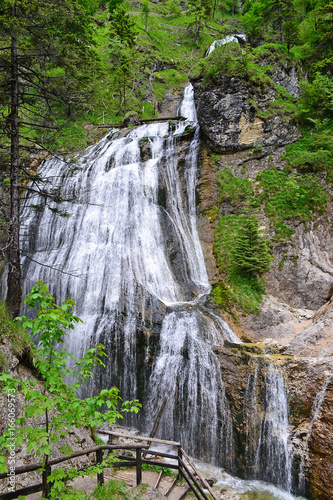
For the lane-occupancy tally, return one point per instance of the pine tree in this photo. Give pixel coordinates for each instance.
(251, 252)
(44, 60)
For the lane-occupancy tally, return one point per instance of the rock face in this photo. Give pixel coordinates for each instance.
(228, 116)
(296, 316)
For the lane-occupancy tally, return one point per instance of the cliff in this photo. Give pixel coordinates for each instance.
(244, 135)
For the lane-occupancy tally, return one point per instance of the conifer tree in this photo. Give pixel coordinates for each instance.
(251, 252)
(44, 60)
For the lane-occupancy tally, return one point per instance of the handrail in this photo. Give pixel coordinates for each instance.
(141, 451)
(200, 476)
(55, 461)
(139, 438)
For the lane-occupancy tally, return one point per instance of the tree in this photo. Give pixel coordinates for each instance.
(250, 253)
(145, 9)
(45, 48)
(57, 401)
(122, 26)
(200, 11)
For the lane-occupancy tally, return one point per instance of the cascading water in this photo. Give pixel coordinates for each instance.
(187, 375)
(129, 255)
(315, 413)
(267, 449)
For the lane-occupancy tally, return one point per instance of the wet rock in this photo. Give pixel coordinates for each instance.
(211, 481)
(131, 119)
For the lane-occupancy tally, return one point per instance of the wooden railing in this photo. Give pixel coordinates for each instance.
(141, 450)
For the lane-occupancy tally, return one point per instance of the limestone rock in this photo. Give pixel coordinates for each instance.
(228, 115)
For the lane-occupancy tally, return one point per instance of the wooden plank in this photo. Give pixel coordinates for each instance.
(158, 419)
(159, 464)
(159, 479)
(200, 476)
(138, 467)
(160, 454)
(184, 495)
(152, 120)
(172, 485)
(99, 460)
(23, 491)
(32, 467)
(140, 438)
(193, 479)
(190, 485)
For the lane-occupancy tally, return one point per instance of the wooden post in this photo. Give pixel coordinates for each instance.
(99, 460)
(46, 488)
(110, 440)
(179, 458)
(138, 467)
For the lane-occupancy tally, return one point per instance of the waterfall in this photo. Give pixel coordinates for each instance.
(277, 461)
(315, 413)
(187, 375)
(129, 254)
(267, 446)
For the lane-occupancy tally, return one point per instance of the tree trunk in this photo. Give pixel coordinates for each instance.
(14, 292)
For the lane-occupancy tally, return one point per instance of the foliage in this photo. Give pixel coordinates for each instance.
(242, 255)
(118, 490)
(19, 339)
(290, 197)
(156, 468)
(56, 400)
(234, 189)
(250, 252)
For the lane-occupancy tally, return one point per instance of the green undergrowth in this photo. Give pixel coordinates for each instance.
(117, 490)
(239, 290)
(284, 197)
(314, 151)
(156, 468)
(288, 197)
(255, 67)
(161, 60)
(19, 339)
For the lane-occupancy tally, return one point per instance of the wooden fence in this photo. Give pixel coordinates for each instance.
(197, 486)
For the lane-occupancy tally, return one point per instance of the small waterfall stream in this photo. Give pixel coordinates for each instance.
(267, 427)
(315, 414)
(129, 255)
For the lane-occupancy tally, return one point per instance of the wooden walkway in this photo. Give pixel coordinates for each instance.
(179, 462)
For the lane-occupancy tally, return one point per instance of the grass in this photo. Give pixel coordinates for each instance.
(167, 45)
(290, 197)
(19, 339)
(113, 489)
(156, 468)
(234, 189)
(314, 151)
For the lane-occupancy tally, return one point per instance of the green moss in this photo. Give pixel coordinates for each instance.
(281, 263)
(19, 339)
